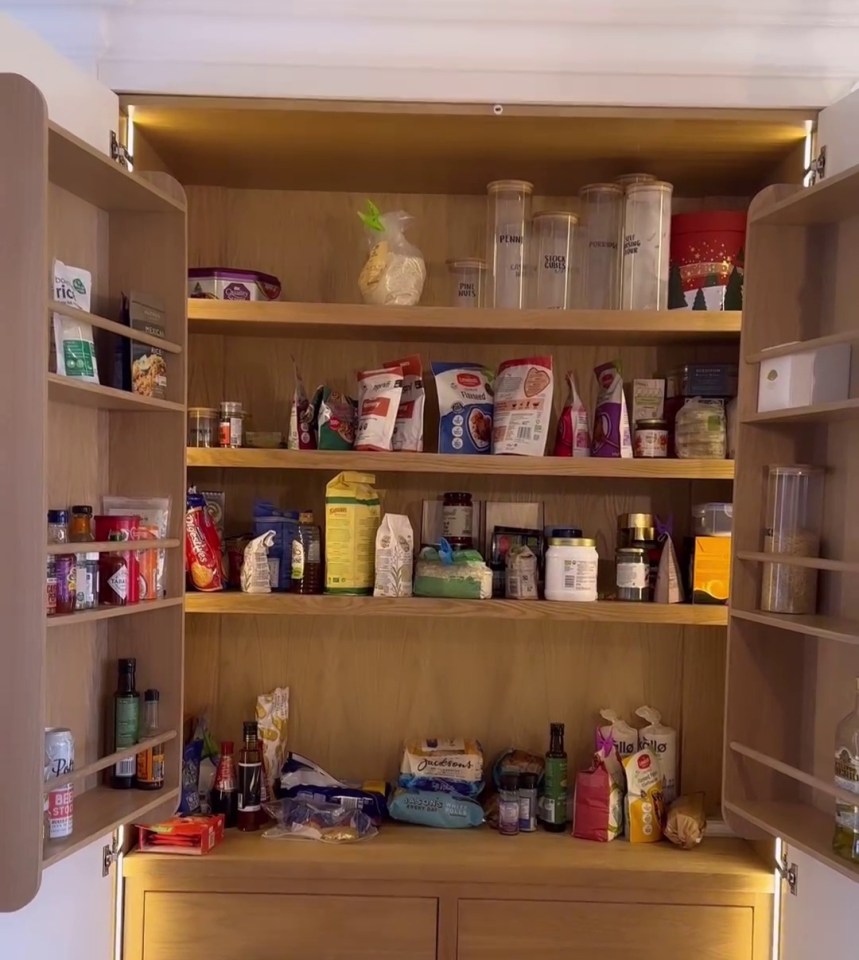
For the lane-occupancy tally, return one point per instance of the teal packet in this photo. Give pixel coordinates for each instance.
(430, 809)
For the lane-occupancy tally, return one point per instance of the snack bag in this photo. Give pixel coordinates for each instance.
(272, 719)
(523, 406)
(432, 809)
(379, 393)
(520, 582)
(574, 436)
(645, 808)
(465, 403)
(256, 577)
(395, 545)
(395, 271)
(352, 516)
(449, 766)
(686, 821)
(624, 736)
(409, 425)
(73, 339)
(335, 420)
(302, 418)
(202, 545)
(611, 422)
(662, 742)
(598, 796)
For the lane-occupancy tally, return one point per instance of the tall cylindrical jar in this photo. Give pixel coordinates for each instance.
(467, 282)
(792, 525)
(552, 272)
(508, 214)
(646, 245)
(627, 179)
(601, 219)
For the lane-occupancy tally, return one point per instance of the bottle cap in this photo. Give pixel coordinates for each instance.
(250, 730)
(83, 508)
(58, 516)
(510, 780)
(127, 664)
(528, 781)
(227, 747)
(151, 696)
(305, 516)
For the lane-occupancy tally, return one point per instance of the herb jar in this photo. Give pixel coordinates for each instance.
(231, 429)
(632, 573)
(202, 427)
(571, 569)
(457, 520)
(650, 439)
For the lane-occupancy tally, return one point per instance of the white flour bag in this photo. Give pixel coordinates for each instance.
(662, 741)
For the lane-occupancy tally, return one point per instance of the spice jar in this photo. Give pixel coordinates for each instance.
(466, 282)
(58, 526)
(118, 573)
(202, 427)
(508, 804)
(457, 519)
(80, 527)
(651, 438)
(632, 573)
(231, 424)
(571, 569)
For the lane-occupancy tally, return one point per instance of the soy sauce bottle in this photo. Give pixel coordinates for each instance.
(250, 779)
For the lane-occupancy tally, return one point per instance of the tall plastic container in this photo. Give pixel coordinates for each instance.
(552, 271)
(507, 222)
(627, 179)
(646, 245)
(601, 219)
(793, 521)
(467, 282)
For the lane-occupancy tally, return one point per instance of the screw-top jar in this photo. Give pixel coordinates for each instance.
(632, 573)
(635, 527)
(650, 440)
(231, 424)
(202, 427)
(553, 283)
(601, 214)
(626, 180)
(508, 214)
(467, 280)
(571, 569)
(457, 520)
(80, 527)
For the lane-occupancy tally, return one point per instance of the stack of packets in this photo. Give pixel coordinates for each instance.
(439, 783)
(192, 836)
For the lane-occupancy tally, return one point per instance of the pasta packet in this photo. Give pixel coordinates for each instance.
(256, 576)
(379, 393)
(611, 422)
(574, 436)
(409, 424)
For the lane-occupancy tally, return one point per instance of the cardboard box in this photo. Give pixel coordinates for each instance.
(143, 368)
(711, 570)
(801, 379)
(647, 400)
(190, 836)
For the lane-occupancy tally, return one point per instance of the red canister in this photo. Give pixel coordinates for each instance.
(118, 573)
(707, 252)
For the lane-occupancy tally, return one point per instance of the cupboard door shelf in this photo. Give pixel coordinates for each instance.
(68, 390)
(81, 773)
(794, 773)
(790, 560)
(111, 546)
(812, 625)
(110, 613)
(120, 329)
(829, 412)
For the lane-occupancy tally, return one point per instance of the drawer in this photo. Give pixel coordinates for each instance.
(226, 926)
(512, 929)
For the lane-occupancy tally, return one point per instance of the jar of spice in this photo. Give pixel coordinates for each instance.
(202, 427)
(80, 527)
(231, 424)
(632, 573)
(457, 519)
(651, 439)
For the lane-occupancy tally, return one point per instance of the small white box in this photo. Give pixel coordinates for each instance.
(805, 378)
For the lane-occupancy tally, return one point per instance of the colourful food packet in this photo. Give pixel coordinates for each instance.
(409, 424)
(379, 393)
(523, 406)
(202, 545)
(573, 438)
(611, 422)
(302, 420)
(465, 403)
(335, 420)
(645, 807)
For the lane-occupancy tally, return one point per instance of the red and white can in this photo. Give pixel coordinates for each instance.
(59, 763)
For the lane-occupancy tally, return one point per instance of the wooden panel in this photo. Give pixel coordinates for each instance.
(185, 926)
(505, 930)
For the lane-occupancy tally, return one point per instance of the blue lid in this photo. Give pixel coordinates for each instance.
(566, 533)
(58, 516)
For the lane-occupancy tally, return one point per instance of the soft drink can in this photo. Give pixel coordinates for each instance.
(59, 763)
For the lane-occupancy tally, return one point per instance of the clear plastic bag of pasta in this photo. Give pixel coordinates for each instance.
(317, 820)
(394, 273)
(700, 430)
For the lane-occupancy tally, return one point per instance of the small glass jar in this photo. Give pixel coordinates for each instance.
(507, 224)
(58, 526)
(457, 520)
(632, 573)
(508, 805)
(231, 433)
(467, 278)
(80, 527)
(572, 564)
(552, 270)
(651, 439)
(202, 427)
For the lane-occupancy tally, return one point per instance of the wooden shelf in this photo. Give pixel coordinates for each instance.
(79, 168)
(114, 546)
(603, 611)
(840, 410)
(812, 625)
(350, 321)
(801, 825)
(789, 560)
(120, 329)
(109, 613)
(100, 811)
(798, 346)
(448, 463)
(833, 200)
(81, 773)
(68, 390)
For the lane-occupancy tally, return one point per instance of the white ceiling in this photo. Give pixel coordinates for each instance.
(745, 53)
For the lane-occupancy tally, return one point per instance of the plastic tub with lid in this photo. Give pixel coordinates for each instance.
(713, 519)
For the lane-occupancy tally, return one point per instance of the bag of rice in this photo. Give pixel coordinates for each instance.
(523, 406)
(73, 340)
(465, 401)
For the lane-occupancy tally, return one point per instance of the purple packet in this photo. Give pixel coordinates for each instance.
(611, 422)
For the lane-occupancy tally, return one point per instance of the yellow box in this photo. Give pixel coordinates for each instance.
(711, 570)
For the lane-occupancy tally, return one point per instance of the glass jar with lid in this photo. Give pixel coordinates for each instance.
(572, 564)
(632, 573)
(80, 526)
(467, 279)
(202, 427)
(58, 526)
(552, 272)
(231, 433)
(601, 218)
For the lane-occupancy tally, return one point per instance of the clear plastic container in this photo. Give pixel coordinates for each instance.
(553, 275)
(627, 179)
(792, 525)
(601, 219)
(713, 519)
(507, 222)
(467, 281)
(646, 245)
(202, 427)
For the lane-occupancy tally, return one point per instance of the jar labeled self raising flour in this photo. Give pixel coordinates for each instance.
(571, 569)
(646, 232)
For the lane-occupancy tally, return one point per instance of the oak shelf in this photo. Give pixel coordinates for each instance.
(832, 200)
(120, 329)
(790, 560)
(829, 412)
(68, 390)
(812, 625)
(352, 321)
(798, 346)
(109, 613)
(81, 773)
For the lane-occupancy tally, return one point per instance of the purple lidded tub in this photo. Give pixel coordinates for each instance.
(223, 283)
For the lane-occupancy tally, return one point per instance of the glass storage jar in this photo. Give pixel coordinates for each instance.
(508, 215)
(646, 246)
(632, 573)
(202, 427)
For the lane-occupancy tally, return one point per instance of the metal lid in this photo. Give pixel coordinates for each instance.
(556, 215)
(467, 263)
(565, 532)
(152, 696)
(509, 780)
(202, 412)
(231, 406)
(83, 508)
(571, 542)
(657, 423)
(637, 551)
(520, 186)
(627, 521)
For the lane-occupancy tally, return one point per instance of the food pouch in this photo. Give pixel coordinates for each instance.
(395, 545)
(302, 418)
(202, 545)
(465, 403)
(624, 736)
(352, 516)
(686, 821)
(458, 575)
(431, 809)
(700, 429)
(611, 421)
(335, 420)
(311, 820)
(256, 577)
(645, 807)
(669, 586)
(521, 575)
(73, 339)
(598, 796)
(154, 516)
(272, 720)
(662, 742)
(523, 406)
(573, 438)
(303, 779)
(450, 766)
(395, 271)
(379, 393)
(409, 425)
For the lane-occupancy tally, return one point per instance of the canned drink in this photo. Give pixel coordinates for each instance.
(59, 763)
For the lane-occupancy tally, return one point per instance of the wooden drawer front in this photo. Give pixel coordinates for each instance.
(512, 929)
(229, 926)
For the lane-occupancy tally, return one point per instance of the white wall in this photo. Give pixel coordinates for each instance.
(820, 922)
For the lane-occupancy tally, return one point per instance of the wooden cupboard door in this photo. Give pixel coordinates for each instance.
(226, 926)
(511, 930)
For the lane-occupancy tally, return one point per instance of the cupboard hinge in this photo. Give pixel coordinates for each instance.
(816, 170)
(119, 153)
(109, 856)
(789, 872)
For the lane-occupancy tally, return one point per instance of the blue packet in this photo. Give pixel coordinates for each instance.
(189, 796)
(284, 523)
(431, 809)
(460, 788)
(465, 402)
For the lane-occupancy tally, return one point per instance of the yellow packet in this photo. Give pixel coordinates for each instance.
(352, 517)
(645, 807)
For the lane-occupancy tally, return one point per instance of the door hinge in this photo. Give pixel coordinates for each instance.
(109, 856)
(119, 153)
(789, 872)
(816, 170)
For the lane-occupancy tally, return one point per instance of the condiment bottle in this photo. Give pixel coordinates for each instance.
(457, 520)
(231, 424)
(306, 556)
(126, 720)
(150, 762)
(225, 796)
(80, 527)
(527, 802)
(508, 805)
(58, 526)
(553, 813)
(250, 779)
(65, 567)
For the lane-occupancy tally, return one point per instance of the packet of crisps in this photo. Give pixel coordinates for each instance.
(202, 545)
(645, 807)
(272, 718)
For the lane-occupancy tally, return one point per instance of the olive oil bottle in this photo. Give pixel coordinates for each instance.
(846, 842)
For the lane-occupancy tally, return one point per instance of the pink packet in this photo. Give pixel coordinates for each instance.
(574, 436)
(611, 421)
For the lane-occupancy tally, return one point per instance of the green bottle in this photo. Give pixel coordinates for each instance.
(126, 721)
(553, 805)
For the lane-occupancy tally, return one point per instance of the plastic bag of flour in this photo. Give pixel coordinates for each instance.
(395, 544)
(395, 271)
(73, 339)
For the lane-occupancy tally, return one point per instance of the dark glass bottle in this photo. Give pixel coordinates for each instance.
(126, 722)
(225, 794)
(306, 556)
(249, 805)
(553, 808)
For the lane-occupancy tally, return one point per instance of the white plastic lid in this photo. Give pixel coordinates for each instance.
(700, 509)
(514, 186)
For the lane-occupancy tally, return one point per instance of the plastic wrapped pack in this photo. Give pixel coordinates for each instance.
(700, 430)
(395, 271)
(432, 809)
(445, 766)
(459, 575)
(308, 820)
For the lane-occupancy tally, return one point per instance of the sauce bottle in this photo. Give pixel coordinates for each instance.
(126, 718)
(150, 762)
(225, 796)
(249, 804)
(553, 811)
